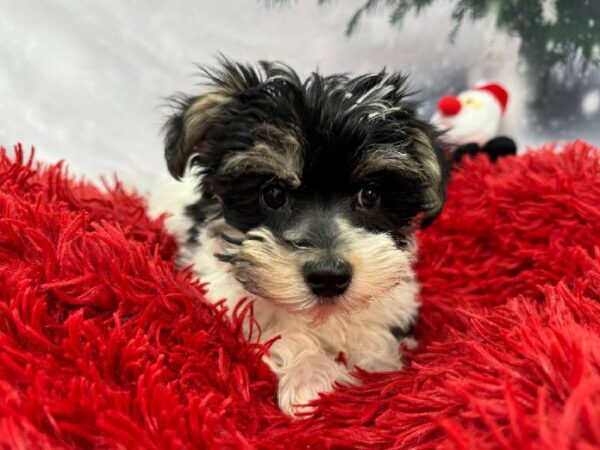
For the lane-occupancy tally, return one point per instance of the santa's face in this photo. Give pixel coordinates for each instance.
(473, 116)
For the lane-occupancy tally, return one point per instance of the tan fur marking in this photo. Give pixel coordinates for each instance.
(426, 154)
(272, 270)
(387, 158)
(432, 171)
(197, 115)
(276, 151)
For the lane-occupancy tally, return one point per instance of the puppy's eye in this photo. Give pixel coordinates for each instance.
(274, 197)
(368, 198)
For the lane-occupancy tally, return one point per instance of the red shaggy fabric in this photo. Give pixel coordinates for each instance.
(104, 345)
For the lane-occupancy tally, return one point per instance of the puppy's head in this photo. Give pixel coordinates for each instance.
(320, 182)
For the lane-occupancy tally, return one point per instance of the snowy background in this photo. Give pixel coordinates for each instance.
(85, 81)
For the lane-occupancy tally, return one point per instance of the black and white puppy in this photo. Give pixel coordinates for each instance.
(303, 195)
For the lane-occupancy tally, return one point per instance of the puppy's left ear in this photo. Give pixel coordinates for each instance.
(434, 169)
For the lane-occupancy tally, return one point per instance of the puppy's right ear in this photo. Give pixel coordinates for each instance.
(186, 130)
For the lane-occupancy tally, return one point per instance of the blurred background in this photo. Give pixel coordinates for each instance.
(86, 81)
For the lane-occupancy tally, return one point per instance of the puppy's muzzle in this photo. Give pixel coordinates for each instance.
(328, 277)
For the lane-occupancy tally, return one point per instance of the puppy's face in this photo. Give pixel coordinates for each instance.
(317, 183)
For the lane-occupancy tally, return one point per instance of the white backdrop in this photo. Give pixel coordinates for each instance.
(86, 80)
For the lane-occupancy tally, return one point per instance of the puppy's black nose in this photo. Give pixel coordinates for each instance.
(328, 277)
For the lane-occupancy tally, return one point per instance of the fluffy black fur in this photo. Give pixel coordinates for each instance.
(339, 124)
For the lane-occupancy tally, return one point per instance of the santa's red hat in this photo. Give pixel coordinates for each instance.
(498, 92)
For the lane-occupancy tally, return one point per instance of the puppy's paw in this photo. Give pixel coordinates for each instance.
(301, 385)
(381, 353)
(389, 362)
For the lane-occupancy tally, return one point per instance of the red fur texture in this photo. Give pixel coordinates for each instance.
(104, 345)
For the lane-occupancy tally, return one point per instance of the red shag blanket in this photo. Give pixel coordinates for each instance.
(104, 345)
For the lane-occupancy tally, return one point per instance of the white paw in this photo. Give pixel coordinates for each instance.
(383, 354)
(371, 364)
(302, 384)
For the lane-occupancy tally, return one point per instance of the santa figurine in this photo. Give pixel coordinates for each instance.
(472, 122)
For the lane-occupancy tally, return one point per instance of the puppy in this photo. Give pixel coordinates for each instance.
(303, 196)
